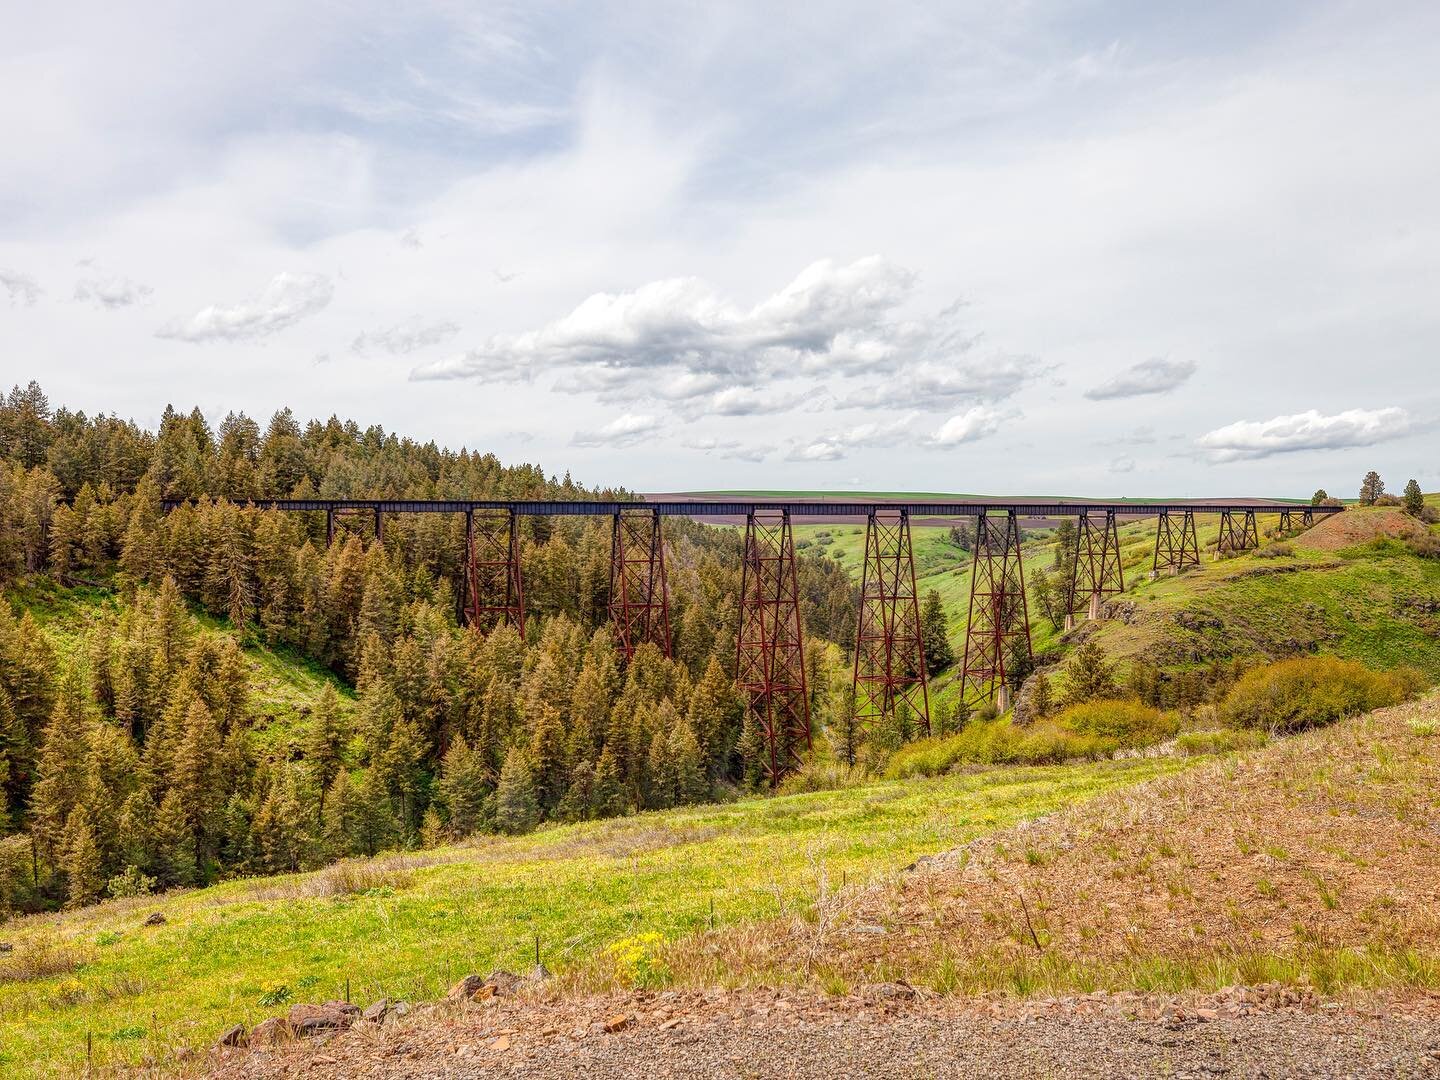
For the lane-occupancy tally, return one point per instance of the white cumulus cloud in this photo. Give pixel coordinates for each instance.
(288, 299)
(21, 288)
(1311, 430)
(112, 291)
(974, 423)
(625, 430)
(1153, 376)
(405, 338)
(830, 314)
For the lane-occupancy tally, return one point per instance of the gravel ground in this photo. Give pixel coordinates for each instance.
(760, 1035)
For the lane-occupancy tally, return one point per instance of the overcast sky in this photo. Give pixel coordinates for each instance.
(1026, 248)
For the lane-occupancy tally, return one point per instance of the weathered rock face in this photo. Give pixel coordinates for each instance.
(306, 1021)
(465, 989)
(376, 1012)
(234, 1037)
(269, 1032)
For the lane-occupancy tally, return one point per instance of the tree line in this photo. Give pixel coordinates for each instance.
(146, 752)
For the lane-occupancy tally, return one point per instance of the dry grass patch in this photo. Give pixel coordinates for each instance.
(1315, 860)
(41, 958)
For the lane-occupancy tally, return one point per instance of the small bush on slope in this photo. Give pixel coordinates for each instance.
(1093, 730)
(1309, 692)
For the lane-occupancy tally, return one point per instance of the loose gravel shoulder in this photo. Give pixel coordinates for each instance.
(885, 1032)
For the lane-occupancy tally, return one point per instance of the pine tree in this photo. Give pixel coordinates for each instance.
(935, 635)
(325, 740)
(1089, 675)
(174, 859)
(61, 768)
(516, 808)
(1414, 499)
(80, 861)
(462, 789)
(1371, 488)
(845, 731)
(1042, 703)
(608, 793)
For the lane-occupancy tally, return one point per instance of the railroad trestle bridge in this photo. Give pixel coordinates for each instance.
(889, 664)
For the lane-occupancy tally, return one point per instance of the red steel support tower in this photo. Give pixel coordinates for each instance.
(1240, 537)
(889, 653)
(999, 615)
(1176, 549)
(639, 606)
(493, 585)
(1096, 571)
(770, 653)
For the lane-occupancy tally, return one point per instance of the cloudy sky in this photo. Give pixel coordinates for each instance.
(1070, 248)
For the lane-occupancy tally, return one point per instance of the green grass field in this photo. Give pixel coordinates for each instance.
(407, 926)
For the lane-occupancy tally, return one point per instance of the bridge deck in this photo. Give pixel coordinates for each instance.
(798, 508)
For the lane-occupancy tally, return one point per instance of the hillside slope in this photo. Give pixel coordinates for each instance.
(404, 926)
(1272, 914)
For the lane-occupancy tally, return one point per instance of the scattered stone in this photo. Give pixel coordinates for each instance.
(234, 1037)
(539, 974)
(156, 919)
(466, 987)
(269, 1032)
(306, 1021)
(377, 1012)
(5, 947)
(400, 1008)
(502, 1043)
(504, 982)
(618, 1022)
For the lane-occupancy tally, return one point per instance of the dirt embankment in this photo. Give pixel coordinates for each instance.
(1359, 526)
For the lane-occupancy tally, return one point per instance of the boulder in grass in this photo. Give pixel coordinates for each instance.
(269, 1032)
(156, 919)
(307, 1021)
(376, 1012)
(234, 1037)
(465, 989)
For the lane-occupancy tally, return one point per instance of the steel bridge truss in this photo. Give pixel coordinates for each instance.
(494, 588)
(639, 602)
(1241, 537)
(889, 650)
(1095, 567)
(999, 616)
(1287, 519)
(1176, 548)
(770, 657)
(770, 653)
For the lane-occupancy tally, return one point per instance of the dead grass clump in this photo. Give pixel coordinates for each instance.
(41, 958)
(348, 878)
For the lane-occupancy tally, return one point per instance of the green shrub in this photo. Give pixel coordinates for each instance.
(1129, 723)
(998, 742)
(1196, 743)
(1309, 692)
(1274, 551)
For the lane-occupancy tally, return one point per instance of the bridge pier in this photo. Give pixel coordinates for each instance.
(770, 650)
(494, 588)
(1240, 537)
(1174, 552)
(889, 651)
(1096, 565)
(998, 611)
(639, 601)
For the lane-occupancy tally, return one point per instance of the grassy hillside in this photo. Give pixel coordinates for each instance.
(1312, 862)
(406, 925)
(1346, 587)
